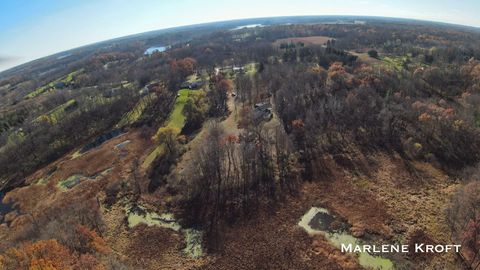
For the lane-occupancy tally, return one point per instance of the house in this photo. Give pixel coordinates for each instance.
(112, 92)
(235, 69)
(196, 85)
(192, 85)
(60, 85)
(144, 91)
(238, 69)
(262, 112)
(149, 88)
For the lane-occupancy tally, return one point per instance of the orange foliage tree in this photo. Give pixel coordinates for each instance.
(184, 66)
(51, 255)
(44, 254)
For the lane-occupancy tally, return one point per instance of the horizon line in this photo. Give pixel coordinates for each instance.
(200, 24)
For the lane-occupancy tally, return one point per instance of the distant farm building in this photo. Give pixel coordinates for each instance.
(238, 69)
(226, 69)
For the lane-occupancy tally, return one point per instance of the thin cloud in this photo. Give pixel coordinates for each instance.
(7, 59)
(7, 62)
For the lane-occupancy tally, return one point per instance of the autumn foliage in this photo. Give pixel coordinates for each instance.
(184, 66)
(44, 254)
(51, 255)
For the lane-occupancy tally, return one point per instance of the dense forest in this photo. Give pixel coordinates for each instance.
(207, 153)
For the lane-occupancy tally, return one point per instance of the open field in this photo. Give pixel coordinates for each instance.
(66, 80)
(364, 57)
(176, 120)
(53, 115)
(313, 40)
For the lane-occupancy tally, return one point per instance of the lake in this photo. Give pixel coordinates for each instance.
(152, 50)
(248, 26)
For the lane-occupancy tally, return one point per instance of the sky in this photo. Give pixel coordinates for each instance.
(30, 29)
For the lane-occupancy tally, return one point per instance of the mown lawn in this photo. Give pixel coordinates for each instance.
(175, 120)
(251, 69)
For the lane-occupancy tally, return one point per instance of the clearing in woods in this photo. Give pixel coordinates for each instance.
(313, 40)
(176, 120)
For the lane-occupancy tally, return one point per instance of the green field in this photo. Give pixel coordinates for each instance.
(397, 63)
(251, 69)
(401, 62)
(56, 113)
(40, 90)
(175, 120)
(68, 79)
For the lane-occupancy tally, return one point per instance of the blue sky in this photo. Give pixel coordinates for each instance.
(30, 29)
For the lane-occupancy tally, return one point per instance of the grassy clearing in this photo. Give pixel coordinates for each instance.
(401, 62)
(70, 182)
(313, 40)
(192, 78)
(396, 62)
(15, 136)
(40, 90)
(42, 181)
(68, 79)
(75, 179)
(175, 120)
(364, 57)
(76, 155)
(251, 69)
(55, 114)
(135, 114)
(151, 157)
(242, 36)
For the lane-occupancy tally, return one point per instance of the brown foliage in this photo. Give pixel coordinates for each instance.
(52, 255)
(463, 216)
(184, 66)
(44, 254)
(224, 85)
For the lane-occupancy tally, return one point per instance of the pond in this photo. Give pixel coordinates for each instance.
(137, 214)
(75, 179)
(155, 49)
(248, 26)
(319, 221)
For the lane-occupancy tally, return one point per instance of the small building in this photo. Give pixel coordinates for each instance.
(196, 85)
(239, 69)
(150, 88)
(144, 91)
(60, 85)
(192, 85)
(262, 112)
(226, 69)
(112, 92)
